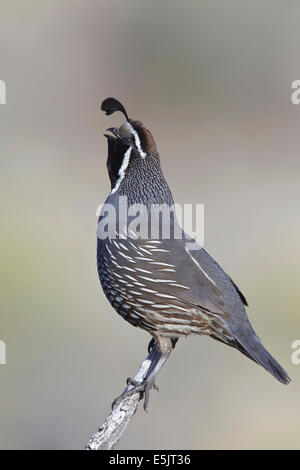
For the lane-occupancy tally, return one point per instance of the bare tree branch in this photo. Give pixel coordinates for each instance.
(112, 429)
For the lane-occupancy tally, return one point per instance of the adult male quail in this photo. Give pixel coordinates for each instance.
(159, 283)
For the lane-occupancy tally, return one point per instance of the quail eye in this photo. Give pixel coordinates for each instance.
(125, 133)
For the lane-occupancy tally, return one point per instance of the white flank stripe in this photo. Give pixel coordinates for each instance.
(160, 250)
(201, 269)
(123, 246)
(146, 251)
(144, 289)
(129, 269)
(124, 256)
(167, 270)
(163, 264)
(162, 306)
(165, 296)
(179, 285)
(144, 271)
(135, 292)
(108, 250)
(130, 277)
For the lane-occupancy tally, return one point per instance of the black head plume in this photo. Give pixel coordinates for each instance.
(111, 105)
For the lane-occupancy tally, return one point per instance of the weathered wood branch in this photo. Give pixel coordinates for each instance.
(112, 429)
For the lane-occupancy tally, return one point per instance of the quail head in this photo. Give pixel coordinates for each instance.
(156, 282)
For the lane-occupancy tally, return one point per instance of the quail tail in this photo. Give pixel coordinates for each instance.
(254, 349)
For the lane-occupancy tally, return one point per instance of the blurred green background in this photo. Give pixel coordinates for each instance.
(212, 81)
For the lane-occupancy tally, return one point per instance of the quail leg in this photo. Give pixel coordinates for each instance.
(157, 360)
(151, 345)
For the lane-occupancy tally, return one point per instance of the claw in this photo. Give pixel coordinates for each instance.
(138, 387)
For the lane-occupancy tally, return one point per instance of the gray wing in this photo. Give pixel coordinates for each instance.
(234, 301)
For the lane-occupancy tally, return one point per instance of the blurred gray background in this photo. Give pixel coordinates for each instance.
(212, 81)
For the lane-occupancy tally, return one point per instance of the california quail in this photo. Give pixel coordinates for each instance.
(158, 283)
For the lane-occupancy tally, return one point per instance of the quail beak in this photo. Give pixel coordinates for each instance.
(116, 135)
(114, 131)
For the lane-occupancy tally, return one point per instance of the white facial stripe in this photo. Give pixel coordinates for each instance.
(136, 138)
(122, 169)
